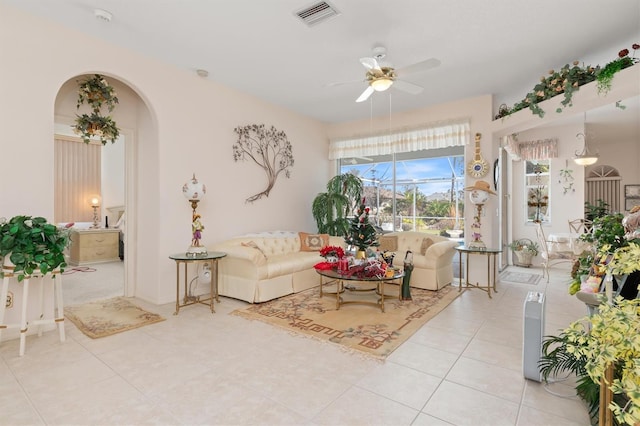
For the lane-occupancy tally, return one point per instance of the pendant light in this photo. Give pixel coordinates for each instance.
(584, 157)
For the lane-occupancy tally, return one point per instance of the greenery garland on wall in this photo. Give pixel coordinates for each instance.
(568, 80)
(96, 93)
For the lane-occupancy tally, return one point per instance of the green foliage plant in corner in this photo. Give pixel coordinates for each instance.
(33, 245)
(331, 209)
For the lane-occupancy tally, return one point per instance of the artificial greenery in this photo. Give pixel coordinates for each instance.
(525, 245)
(96, 93)
(331, 209)
(95, 125)
(593, 211)
(611, 339)
(33, 245)
(567, 81)
(556, 360)
(362, 234)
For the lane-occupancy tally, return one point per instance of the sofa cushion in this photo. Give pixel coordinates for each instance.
(313, 242)
(388, 243)
(426, 243)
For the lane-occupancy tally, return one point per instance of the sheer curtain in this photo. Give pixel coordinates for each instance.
(76, 178)
(429, 136)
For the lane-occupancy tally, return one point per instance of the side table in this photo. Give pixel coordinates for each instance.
(183, 258)
(491, 272)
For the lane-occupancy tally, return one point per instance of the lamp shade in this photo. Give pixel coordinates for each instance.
(585, 160)
(94, 200)
(381, 84)
(194, 189)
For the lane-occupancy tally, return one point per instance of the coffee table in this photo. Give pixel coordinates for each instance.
(358, 284)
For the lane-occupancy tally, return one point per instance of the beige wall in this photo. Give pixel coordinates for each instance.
(181, 124)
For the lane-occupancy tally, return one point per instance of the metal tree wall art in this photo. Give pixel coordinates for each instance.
(268, 148)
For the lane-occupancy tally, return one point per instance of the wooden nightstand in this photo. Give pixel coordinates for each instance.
(94, 246)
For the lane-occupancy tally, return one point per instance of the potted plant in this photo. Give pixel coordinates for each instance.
(332, 253)
(96, 93)
(525, 250)
(330, 209)
(31, 245)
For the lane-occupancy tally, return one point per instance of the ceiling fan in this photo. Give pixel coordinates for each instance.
(381, 77)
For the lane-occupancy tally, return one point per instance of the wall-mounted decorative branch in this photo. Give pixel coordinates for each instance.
(268, 148)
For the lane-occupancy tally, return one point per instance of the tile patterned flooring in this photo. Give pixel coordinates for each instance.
(462, 368)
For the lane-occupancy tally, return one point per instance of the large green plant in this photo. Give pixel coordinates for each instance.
(331, 209)
(33, 245)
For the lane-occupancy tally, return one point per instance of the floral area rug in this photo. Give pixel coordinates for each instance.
(356, 327)
(107, 317)
(520, 278)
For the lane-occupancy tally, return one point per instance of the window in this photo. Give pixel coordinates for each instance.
(420, 190)
(536, 186)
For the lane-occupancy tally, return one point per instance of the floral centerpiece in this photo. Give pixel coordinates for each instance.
(96, 93)
(332, 252)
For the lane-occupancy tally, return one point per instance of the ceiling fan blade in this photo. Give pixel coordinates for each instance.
(405, 86)
(370, 64)
(340, 83)
(365, 95)
(419, 67)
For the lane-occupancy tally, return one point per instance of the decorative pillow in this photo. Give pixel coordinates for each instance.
(313, 242)
(388, 243)
(426, 243)
(253, 245)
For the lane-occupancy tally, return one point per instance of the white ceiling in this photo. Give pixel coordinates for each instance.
(499, 47)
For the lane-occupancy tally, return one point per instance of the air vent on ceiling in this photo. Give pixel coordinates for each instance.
(317, 13)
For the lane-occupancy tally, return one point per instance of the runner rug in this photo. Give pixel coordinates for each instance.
(106, 317)
(356, 327)
(520, 278)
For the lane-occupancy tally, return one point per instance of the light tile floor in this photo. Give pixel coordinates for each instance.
(462, 368)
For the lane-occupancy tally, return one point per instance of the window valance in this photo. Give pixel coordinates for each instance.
(542, 149)
(441, 135)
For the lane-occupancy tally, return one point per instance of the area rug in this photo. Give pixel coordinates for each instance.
(510, 277)
(107, 317)
(356, 327)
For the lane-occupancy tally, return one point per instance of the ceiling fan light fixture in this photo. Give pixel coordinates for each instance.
(381, 84)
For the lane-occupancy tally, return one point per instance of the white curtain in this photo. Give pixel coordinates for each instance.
(76, 178)
(432, 136)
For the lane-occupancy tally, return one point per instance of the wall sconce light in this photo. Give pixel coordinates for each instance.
(94, 201)
(194, 191)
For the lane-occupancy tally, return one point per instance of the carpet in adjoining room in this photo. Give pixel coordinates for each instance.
(356, 327)
(511, 277)
(106, 317)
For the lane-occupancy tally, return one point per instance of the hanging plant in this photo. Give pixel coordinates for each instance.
(95, 125)
(96, 93)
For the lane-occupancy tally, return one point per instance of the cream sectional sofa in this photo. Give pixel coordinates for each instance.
(432, 257)
(267, 265)
(264, 266)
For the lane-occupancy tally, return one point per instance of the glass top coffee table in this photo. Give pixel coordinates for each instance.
(356, 284)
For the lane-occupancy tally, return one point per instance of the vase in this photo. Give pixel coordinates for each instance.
(361, 254)
(331, 259)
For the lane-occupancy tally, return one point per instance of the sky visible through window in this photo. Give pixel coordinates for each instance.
(437, 171)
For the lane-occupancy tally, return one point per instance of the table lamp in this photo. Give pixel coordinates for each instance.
(479, 195)
(194, 191)
(95, 205)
